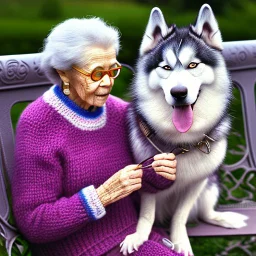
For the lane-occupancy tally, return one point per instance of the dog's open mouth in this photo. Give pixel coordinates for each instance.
(182, 116)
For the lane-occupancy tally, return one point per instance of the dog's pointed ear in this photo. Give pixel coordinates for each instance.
(207, 27)
(156, 29)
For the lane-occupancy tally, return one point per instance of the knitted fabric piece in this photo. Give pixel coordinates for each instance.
(154, 246)
(60, 150)
(153, 182)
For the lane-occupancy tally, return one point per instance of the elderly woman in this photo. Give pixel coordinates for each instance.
(73, 167)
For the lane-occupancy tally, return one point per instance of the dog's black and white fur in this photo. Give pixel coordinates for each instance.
(182, 90)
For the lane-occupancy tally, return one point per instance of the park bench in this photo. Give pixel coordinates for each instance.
(22, 80)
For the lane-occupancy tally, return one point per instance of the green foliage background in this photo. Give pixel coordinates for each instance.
(25, 23)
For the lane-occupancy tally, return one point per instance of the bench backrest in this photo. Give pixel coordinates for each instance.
(22, 80)
(241, 61)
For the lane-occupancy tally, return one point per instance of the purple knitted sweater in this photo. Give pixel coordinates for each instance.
(63, 153)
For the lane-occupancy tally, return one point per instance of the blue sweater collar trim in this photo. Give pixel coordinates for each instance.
(73, 106)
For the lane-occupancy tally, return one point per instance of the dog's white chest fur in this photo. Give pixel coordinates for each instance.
(192, 167)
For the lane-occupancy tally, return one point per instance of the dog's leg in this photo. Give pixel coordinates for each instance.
(207, 213)
(144, 226)
(178, 229)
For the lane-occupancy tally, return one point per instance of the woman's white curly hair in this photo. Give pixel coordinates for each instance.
(68, 42)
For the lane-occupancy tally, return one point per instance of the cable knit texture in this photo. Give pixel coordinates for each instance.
(62, 154)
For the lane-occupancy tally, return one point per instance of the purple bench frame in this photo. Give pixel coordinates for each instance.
(22, 80)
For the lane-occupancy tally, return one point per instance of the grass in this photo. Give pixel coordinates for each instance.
(23, 31)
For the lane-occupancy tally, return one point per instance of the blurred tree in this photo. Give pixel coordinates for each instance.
(172, 4)
(50, 9)
(218, 6)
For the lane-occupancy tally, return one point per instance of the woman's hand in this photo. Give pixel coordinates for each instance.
(165, 165)
(120, 185)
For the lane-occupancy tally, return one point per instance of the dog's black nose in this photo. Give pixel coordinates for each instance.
(179, 92)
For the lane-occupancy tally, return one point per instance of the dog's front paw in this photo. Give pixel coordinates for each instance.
(178, 247)
(181, 244)
(229, 220)
(132, 242)
(184, 248)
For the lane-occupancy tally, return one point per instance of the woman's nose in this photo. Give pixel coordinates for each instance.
(106, 80)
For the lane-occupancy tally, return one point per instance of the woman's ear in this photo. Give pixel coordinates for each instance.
(63, 75)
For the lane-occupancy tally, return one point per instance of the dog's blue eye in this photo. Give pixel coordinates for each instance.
(192, 65)
(166, 67)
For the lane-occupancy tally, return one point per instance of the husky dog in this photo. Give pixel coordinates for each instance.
(181, 92)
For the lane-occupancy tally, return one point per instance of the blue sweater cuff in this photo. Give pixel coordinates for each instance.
(92, 203)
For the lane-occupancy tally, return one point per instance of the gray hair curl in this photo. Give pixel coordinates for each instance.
(68, 42)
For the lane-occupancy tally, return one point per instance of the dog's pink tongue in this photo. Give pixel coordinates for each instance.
(182, 118)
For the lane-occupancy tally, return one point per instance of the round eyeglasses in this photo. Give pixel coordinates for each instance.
(97, 74)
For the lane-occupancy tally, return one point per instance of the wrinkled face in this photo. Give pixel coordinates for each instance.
(85, 91)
